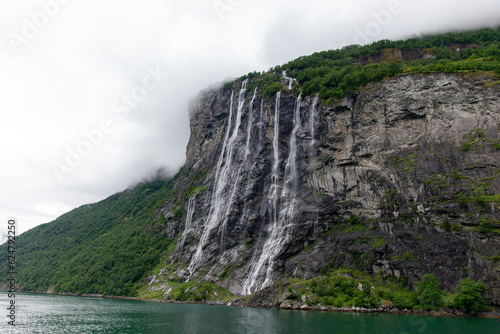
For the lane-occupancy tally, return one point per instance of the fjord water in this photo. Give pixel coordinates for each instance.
(38, 313)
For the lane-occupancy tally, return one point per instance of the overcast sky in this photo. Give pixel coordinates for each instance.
(94, 94)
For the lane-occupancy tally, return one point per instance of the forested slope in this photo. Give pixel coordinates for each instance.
(100, 248)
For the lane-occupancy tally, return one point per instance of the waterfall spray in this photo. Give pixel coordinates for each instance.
(220, 203)
(249, 285)
(281, 208)
(189, 223)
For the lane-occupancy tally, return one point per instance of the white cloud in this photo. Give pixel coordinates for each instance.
(65, 79)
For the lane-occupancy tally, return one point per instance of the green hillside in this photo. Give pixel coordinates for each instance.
(100, 248)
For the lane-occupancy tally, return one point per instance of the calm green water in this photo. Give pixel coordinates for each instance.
(36, 313)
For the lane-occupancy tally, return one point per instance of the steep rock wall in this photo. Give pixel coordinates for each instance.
(291, 186)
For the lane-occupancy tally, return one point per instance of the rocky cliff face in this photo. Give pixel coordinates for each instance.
(400, 179)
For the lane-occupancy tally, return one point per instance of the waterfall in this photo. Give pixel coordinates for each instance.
(311, 121)
(229, 206)
(189, 223)
(282, 231)
(249, 182)
(291, 164)
(255, 268)
(314, 182)
(224, 173)
(281, 220)
(273, 195)
(261, 124)
(235, 183)
(290, 80)
(249, 124)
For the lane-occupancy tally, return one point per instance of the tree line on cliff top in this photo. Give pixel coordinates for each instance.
(334, 74)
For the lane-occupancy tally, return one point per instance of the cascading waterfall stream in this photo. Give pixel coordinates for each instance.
(224, 172)
(255, 267)
(311, 121)
(241, 104)
(249, 124)
(273, 198)
(313, 180)
(261, 125)
(281, 234)
(189, 223)
(291, 165)
(228, 211)
(281, 222)
(249, 165)
(290, 80)
(312, 153)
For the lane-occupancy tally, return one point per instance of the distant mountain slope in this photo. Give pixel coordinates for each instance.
(98, 248)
